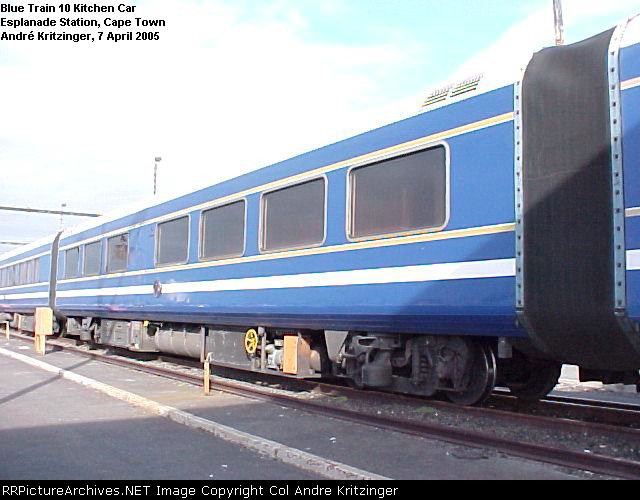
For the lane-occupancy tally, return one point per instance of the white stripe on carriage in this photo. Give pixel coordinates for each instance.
(349, 247)
(413, 274)
(25, 296)
(633, 260)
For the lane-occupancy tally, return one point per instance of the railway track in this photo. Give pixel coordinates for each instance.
(557, 455)
(575, 408)
(592, 403)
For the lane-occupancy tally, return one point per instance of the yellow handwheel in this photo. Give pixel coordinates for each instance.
(251, 342)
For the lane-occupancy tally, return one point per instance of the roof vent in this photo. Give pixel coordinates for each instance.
(467, 86)
(452, 91)
(437, 97)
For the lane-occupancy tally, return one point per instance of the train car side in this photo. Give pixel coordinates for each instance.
(480, 242)
(454, 277)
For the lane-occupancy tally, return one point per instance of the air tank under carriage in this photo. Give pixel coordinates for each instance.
(485, 241)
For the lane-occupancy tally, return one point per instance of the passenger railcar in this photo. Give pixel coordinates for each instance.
(487, 240)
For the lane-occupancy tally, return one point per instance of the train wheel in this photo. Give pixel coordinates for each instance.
(482, 376)
(540, 380)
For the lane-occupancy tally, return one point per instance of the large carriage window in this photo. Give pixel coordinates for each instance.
(36, 270)
(30, 273)
(293, 217)
(92, 258)
(173, 242)
(223, 232)
(117, 253)
(72, 263)
(23, 274)
(400, 195)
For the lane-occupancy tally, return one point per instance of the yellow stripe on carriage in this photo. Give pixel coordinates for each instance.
(630, 84)
(364, 245)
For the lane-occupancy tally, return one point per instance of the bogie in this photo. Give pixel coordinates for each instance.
(463, 369)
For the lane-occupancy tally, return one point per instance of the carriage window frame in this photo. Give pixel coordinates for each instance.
(350, 199)
(157, 243)
(262, 230)
(100, 246)
(66, 274)
(201, 232)
(108, 263)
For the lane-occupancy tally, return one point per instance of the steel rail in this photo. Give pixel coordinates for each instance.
(558, 456)
(572, 400)
(612, 413)
(592, 403)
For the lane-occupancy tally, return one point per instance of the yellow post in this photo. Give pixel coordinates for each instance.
(207, 375)
(44, 327)
(40, 344)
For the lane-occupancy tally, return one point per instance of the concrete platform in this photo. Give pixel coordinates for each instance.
(51, 428)
(55, 429)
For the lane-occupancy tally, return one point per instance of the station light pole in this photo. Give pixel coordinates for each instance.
(63, 206)
(155, 175)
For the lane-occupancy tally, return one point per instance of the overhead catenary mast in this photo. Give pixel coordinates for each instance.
(559, 23)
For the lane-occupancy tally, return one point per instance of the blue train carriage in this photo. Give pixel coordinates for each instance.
(480, 242)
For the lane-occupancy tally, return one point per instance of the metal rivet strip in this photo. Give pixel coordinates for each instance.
(617, 172)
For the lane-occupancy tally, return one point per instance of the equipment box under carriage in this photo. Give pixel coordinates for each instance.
(128, 335)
